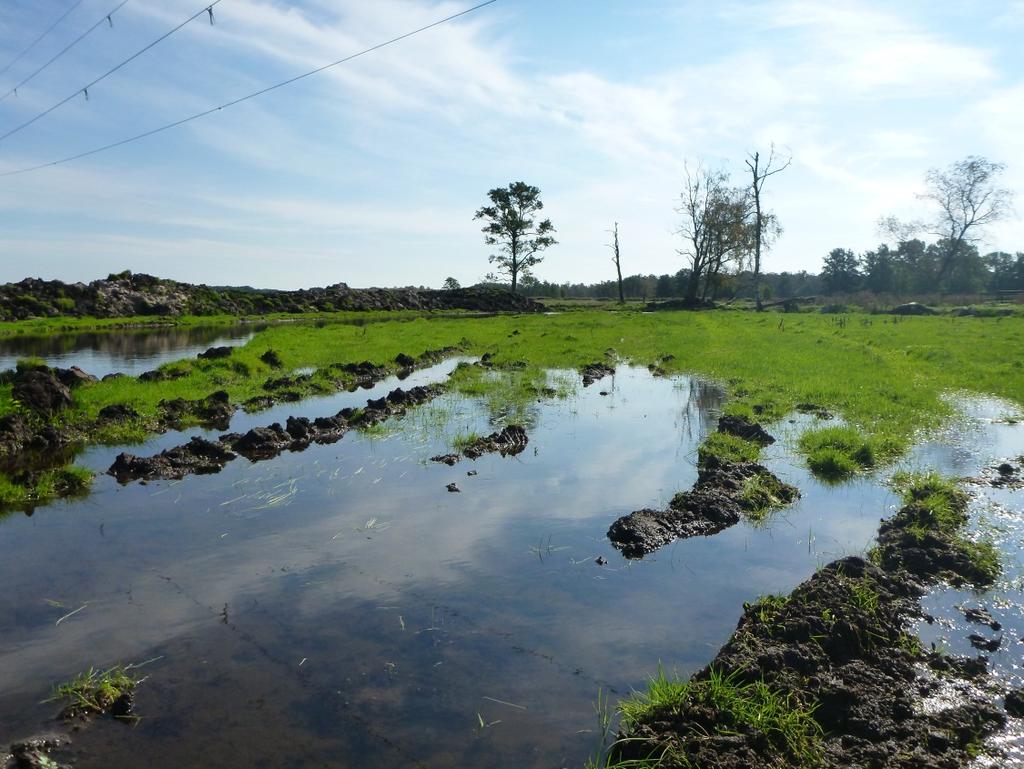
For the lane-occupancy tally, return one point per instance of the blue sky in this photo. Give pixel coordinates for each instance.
(370, 173)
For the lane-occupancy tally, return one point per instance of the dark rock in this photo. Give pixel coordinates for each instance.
(471, 472)
(601, 560)
(216, 353)
(40, 391)
(113, 375)
(405, 361)
(742, 427)
(453, 487)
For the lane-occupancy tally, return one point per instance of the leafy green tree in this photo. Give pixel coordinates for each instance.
(450, 284)
(510, 224)
(841, 271)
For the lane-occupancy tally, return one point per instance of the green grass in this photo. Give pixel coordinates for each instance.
(738, 706)
(760, 495)
(69, 481)
(728, 448)
(985, 556)
(767, 607)
(837, 452)
(463, 441)
(94, 691)
(936, 505)
(889, 379)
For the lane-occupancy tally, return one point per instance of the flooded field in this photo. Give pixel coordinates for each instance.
(125, 351)
(339, 606)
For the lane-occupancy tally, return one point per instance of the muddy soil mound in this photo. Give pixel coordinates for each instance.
(844, 681)
(724, 492)
(743, 428)
(510, 441)
(215, 410)
(126, 294)
(594, 371)
(910, 541)
(200, 456)
(40, 390)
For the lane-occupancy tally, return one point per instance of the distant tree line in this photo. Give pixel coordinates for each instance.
(916, 267)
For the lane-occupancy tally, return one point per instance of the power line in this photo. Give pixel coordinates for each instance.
(252, 95)
(33, 44)
(85, 89)
(108, 17)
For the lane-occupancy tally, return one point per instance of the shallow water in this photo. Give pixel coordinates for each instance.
(339, 607)
(126, 351)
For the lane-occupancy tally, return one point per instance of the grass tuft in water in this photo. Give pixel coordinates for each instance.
(68, 481)
(94, 691)
(727, 448)
(836, 453)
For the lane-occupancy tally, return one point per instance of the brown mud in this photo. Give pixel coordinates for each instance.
(836, 651)
(511, 440)
(719, 499)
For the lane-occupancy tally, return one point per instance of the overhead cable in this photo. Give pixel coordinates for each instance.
(35, 42)
(84, 90)
(252, 95)
(107, 17)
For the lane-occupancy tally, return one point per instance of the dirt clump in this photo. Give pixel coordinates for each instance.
(73, 377)
(724, 493)
(199, 456)
(38, 389)
(741, 427)
(117, 412)
(509, 441)
(215, 410)
(594, 371)
(216, 353)
(826, 676)
(272, 358)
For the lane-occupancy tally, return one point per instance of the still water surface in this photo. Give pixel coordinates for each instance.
(338, 607)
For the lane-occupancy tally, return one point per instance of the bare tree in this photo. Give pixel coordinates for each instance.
(615, 259)
(713, 225)
(968, 198)
(764, 223)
